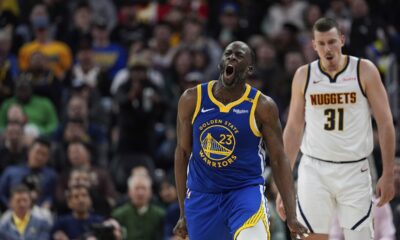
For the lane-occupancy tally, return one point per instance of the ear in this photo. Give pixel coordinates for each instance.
(219, 66)
(342, 39)
(314, 45)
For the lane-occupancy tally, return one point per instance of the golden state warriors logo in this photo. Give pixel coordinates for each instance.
(218, 143)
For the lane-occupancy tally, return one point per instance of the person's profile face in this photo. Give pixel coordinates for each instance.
(328, 45)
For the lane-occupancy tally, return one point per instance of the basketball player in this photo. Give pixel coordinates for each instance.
(219, 157)
(330, 121)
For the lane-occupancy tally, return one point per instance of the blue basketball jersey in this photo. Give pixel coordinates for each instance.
(227, 149)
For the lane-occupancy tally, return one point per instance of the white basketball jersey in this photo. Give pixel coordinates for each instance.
(337, 114)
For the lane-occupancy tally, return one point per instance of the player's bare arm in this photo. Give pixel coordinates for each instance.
(377, 97)
(186, 108)
(268, 119)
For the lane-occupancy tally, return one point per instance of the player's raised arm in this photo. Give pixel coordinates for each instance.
(377, 98)
(268, 118)
(183, 150)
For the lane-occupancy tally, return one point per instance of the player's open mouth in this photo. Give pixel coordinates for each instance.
(229, 72)
(329, 57)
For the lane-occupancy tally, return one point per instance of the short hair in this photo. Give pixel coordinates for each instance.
(325, 24)
(42, 141)
(20, 188)
(86, 145)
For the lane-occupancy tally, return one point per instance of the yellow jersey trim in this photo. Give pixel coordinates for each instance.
(253, 123)
(253, 220)
(198, 103)
(226, 108)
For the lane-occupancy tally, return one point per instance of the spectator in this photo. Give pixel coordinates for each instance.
(80, 221)
(43, 213)
(79, 30)
(108, 55)
(268, 68)
(160, 44)
(59, 53)
(169, 199)
(98, 182)
(86, 71)
(22, 224)
(193, 37)
(340, 11)
(229, 22)
(38, 156)
(285, 11)
(40, 111)
(130, 28)
(78, 126)
(15, 114)
(140, 107)
(43, 80)
(363, 31)
(12, 149)
(139, 216)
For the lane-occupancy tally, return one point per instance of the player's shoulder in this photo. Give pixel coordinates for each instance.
(368, 71)
(302, 71)
(188, 100)
(366, 65)
(266, 105)
(189, 94)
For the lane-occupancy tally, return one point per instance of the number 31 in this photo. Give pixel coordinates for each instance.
(330, 114)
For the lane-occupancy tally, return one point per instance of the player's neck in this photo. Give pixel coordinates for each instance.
(225, 95)
(333, 68)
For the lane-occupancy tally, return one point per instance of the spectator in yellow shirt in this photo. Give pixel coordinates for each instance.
(59, 53)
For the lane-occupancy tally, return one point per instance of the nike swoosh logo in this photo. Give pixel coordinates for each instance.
(206, 110)
(315, 82)
(363, 170)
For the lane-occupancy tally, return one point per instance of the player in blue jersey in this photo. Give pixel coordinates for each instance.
(222, 129)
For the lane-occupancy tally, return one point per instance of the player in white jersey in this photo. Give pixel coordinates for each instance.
(330, 121)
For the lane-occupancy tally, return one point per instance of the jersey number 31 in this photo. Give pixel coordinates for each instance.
(331, 123)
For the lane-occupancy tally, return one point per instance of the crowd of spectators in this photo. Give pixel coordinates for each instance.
(89, 92)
